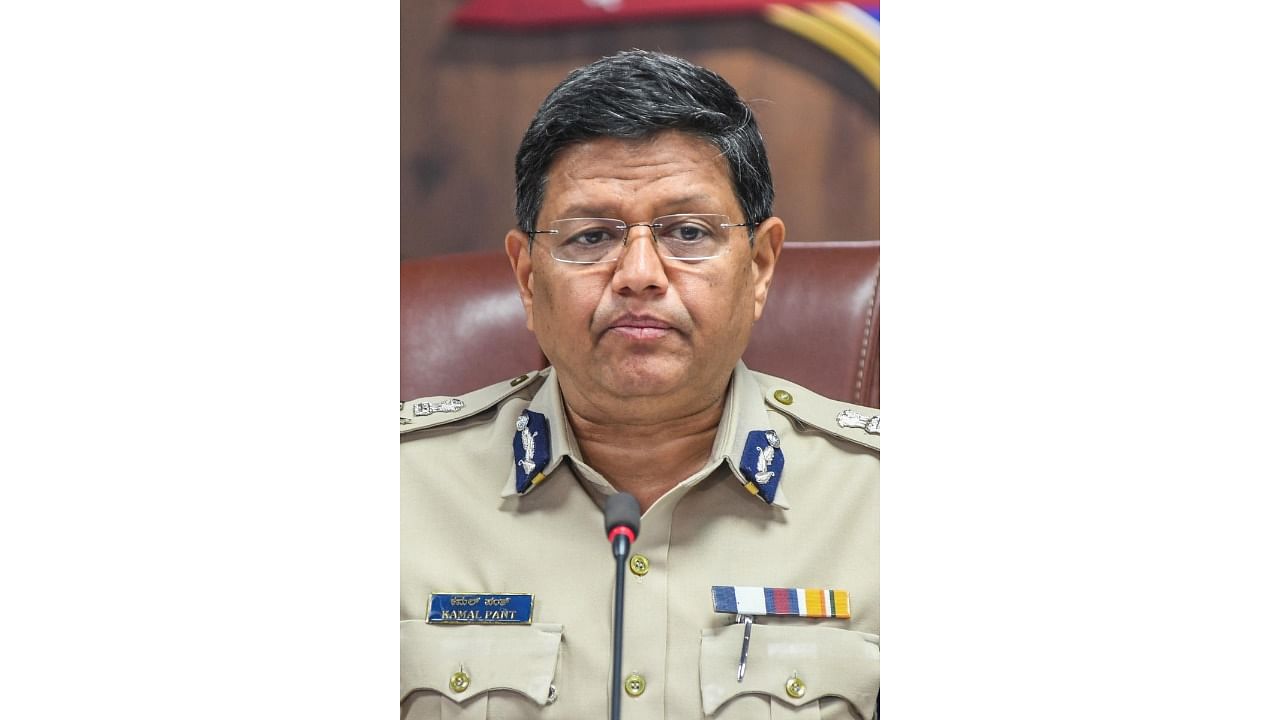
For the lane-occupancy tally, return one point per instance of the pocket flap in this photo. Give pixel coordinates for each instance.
(519, 658)
(828, 660)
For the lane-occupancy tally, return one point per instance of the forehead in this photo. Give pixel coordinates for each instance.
(643, 174)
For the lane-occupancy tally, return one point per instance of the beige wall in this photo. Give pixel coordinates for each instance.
(467, 97)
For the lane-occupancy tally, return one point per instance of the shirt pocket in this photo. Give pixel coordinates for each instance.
(837, 673)
(505, 671)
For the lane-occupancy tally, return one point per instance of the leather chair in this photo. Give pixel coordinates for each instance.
(462, 324)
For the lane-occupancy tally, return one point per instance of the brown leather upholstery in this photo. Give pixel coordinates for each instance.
(462, 325)
(821, 325)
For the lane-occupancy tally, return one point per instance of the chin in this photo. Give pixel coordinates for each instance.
(644, 376)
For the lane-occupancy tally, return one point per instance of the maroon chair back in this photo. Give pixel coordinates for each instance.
(462, 324)
(821, 325)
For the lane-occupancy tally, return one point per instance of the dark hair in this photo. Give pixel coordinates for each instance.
(635, 94)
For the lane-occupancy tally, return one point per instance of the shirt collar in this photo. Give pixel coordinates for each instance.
(740, 440)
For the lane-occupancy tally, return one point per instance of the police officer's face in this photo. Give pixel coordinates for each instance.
(643, 326)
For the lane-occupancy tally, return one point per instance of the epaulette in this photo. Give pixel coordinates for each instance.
(842, 420)
(434, 411)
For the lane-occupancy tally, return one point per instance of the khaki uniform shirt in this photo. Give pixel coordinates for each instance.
(466, 529)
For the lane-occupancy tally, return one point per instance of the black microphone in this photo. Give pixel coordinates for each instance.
(622, 526)
(621, 522)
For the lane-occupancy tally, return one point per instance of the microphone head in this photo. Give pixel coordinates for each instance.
(622, 510)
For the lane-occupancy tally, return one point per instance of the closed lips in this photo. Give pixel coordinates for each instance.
(636, 321)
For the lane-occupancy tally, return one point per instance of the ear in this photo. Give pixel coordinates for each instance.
(522, 266)
(768, 246)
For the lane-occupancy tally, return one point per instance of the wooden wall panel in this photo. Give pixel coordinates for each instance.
(467, 97)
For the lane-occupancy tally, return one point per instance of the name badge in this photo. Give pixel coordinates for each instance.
(480, 608)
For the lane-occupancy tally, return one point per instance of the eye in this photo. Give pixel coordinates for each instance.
(593, 235)
(687, 231)
(589, 237)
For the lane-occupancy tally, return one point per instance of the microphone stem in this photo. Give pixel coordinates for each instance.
(620, 548)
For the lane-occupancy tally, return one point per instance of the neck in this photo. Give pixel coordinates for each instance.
(647, 458)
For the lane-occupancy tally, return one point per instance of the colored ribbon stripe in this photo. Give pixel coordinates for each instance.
(800, 602)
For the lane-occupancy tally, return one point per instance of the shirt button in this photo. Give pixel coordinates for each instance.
(783, 397)
(517, 381)
(795, 686)
(634, 684)
(639, 564)
(459, 681)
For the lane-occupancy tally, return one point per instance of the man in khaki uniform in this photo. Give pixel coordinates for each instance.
(644, 255)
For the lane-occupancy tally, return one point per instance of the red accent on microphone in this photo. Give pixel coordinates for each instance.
(623, 529)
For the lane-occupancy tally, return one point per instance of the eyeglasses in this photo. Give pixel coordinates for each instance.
(686, 237)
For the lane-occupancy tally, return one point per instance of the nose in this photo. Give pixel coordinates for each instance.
(639, 268)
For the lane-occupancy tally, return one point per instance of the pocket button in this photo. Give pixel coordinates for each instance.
(795, 686)
(459, 681)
